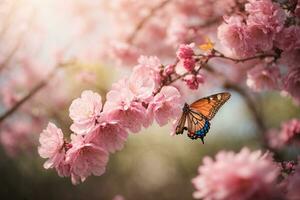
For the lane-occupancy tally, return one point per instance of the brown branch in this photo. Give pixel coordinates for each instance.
(32, 92)
(141, 24)
(19, 42)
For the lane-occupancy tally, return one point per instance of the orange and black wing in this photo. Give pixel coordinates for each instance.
(181, 124)
(197, 125)
(209, 106)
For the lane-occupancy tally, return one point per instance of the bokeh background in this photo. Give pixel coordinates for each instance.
(35, 36)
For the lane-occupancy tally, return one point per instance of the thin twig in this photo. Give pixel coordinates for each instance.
(141, 24)
(32, 92)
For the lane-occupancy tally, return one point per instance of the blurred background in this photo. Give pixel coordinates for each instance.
(72, 40)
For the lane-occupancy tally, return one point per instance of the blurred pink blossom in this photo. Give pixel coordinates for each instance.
(291, 185)
(265, 14)
(84, 112)
(18, 137)
(85, 159)
(263, 76)
(185, 55)
(185, 51)
(193, 81)
(235, 176)
(166, 105)
(169, 69)
(289, 38)
(51, 146)
(290, 131)
(124, 53)
(292, 83)
(233, 35)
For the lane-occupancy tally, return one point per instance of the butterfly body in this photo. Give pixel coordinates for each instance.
(198, 114)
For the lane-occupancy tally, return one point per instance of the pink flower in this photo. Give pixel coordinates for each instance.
(18, 138)
(185, 54)
(169, 69)
(165, 105)
(234, 176)
(125, 53)
(85, 159)
(193, 81)
(122, 106)
(292, 185)
(110, 134)
(292, 83)
(189, 64)
(145, 78)
(84, 112)
(51, 146)
(274, 139)
(290, 131)
(297, 9)
(185, 51)
(289, 38)
(118, 197)
(259, 40)
(233, 35)
(243, 40)
(263, 76)
(267, 15)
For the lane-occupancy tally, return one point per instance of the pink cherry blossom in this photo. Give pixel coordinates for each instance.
(122, 106)
(85, 159)
(274, 139)
(292, 83)
(292, 185)
(289, 38)
(185, 51)
(51, 146)
(125, 53)
(84, 112)
(260, 41)
(267, 15)
(297, 9)
(233, 35)
(290, 131)
(263, 76)
(169, 69)
(193, 81)
(234, 176)
(18, 138)
(166, 105)
(145, 78)
(110, 134)
(185, 54)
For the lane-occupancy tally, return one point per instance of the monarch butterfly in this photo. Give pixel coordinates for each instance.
(198, 114)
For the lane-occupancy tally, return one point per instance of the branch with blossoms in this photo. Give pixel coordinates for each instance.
(147, 95)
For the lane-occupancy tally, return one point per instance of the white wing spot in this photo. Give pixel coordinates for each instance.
(219, 96)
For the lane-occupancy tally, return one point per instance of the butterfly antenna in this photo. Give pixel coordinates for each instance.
(202, 139)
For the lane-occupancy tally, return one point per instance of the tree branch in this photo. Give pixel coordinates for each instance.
(32, 92)
(141, 24)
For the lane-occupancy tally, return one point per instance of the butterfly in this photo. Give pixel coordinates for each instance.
(198, 114)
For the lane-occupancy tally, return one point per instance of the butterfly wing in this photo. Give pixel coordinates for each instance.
(181, 124)
(198, 125)
(209, 106)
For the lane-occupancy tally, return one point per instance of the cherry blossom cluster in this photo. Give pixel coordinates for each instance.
(246, 175)
(270, 27)
(132, 103)
(287, 135)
